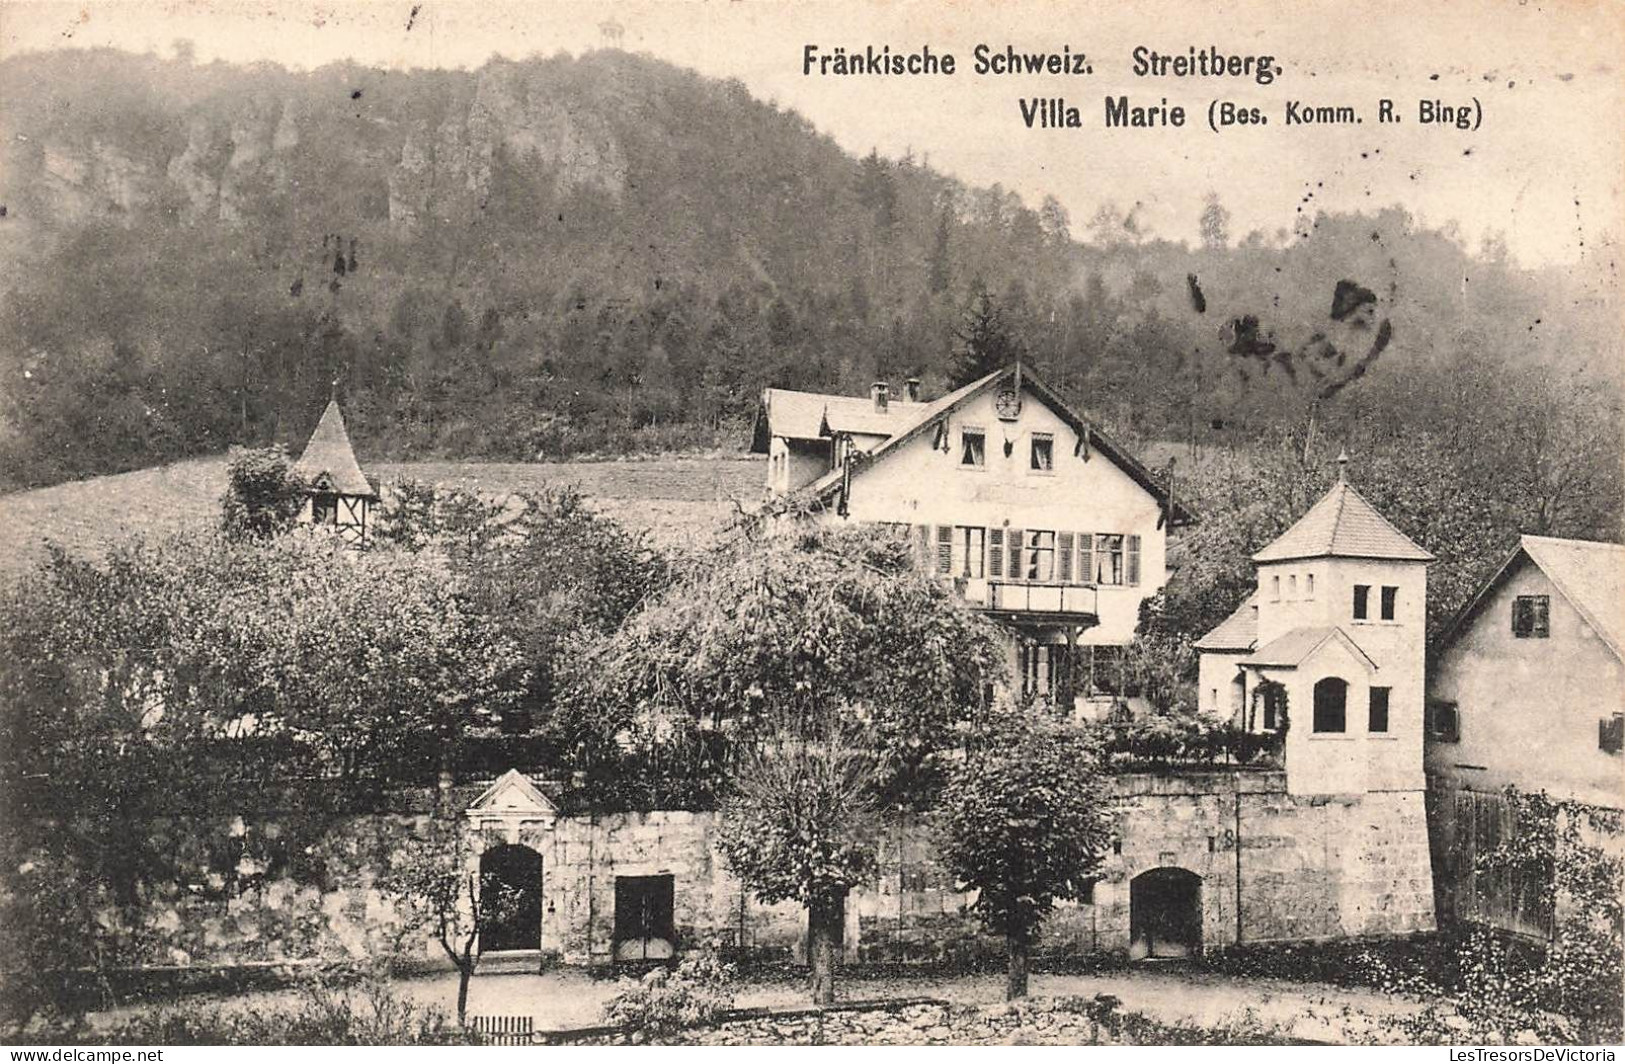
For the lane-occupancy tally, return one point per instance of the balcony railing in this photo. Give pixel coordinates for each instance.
(1030, 597)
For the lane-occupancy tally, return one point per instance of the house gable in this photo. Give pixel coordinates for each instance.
(941, 424)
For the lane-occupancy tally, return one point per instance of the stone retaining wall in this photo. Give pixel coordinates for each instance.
(1271, 866)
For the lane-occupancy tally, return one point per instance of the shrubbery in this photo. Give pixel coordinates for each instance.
(697, 991)
(371, 1013)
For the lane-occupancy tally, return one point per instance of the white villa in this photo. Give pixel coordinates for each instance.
(1039, 518)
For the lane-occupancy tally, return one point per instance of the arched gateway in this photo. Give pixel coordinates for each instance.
(1165, 913)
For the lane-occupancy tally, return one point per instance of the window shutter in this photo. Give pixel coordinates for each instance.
(1134, 561)
(1015, 540)
(1086, 557)
(1063, 557)
(922, 546)
(995, 553)
(945, 549)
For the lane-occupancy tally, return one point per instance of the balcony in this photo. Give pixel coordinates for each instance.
(1033, 602)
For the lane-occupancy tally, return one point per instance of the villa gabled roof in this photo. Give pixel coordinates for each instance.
(329, 460)
(1343, 525)
(916, 418)
(1293, 649)
(1589, 575)
(1239, 631)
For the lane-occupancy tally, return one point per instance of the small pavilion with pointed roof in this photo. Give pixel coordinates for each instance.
(338, 493)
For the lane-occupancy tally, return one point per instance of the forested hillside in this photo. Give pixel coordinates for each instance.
(609, 253)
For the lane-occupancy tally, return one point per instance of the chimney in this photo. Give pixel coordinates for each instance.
(879, 391)
(911, 389)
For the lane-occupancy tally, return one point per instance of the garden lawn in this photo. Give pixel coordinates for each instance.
(1171, 994)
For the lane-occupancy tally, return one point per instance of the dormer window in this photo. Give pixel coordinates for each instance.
(972, 448)
(1043, 452)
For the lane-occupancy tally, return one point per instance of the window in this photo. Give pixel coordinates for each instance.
(1109, 559)
(972, 448)
(1040, 556)
(1362, 601)
(1309, 586)
(1611, 733)
(324, 509)
(1390, 598)
(1444, 722)
(1379, 710)
(1531, 617)
(1292, 586)
(970, 552)
(1275, 589)
(1331, 705)
(1043, 460)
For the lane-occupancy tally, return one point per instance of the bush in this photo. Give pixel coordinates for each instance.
(695, 992)
(370, 1013)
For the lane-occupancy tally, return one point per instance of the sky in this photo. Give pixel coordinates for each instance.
(1545, 169)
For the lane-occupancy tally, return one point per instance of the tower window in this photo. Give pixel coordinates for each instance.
(1531, 617)
(1362, 601)
(1331, 705)
(1390, 598)
(1379, 710)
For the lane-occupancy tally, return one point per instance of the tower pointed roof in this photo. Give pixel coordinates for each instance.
(1343, 525)
(329, 460)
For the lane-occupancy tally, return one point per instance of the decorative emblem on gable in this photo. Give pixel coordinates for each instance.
(512, 800)
(1007, 404)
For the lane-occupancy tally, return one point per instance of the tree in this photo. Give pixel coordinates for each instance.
(432, 880)
(800, 825)
(263, 495)
(1215, 223)
(809, 625)
(987, 342)
(811, 677)
(542, 567)
(1023, 822)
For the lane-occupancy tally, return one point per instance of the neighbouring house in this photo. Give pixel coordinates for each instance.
(1527, 684)
(338, 494)
(1329, 650)
(1039, 519)
(1526, 689)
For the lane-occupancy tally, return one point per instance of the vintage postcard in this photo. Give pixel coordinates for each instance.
(873, 522)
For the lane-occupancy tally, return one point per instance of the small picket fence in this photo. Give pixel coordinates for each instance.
(504, 1030)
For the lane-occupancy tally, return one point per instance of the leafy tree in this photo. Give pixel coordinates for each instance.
(809, 624)
(543, 567)
(1023, 822)
(263, 495)
(431, 880)
(799, 824)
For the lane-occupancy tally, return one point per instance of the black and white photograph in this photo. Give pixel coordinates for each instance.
(647, 523)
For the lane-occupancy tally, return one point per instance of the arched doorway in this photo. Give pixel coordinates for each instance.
(1165, 913)
(510, 899)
